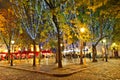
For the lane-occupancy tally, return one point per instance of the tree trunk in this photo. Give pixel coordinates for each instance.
(56, 57)
(34, 56)
(81, 54)
(11, 60)
(94, 53)
(8, 57)
(106, 58)
(59, 39)
(59, 52)
(54, 18)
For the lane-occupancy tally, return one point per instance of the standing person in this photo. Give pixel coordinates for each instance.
(90, 53)
(90, 56)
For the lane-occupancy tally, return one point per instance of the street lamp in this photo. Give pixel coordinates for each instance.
(61, 46)
(105, 47)
(104, 40)
(82, 30)
(12, 42)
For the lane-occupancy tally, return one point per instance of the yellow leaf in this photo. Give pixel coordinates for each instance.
(21, 31)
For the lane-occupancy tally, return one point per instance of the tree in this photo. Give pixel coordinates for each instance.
(59, 14)
(100, 24)
(30, 15)
(116, 32)
(24, 41)
(62, 12)
(114, 10)
(94, 14)
(9, 31)
(83, 34)
(54, 7)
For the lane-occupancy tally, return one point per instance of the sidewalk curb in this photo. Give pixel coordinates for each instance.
(46, 73)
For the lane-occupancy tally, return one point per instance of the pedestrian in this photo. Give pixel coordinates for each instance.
(90, 56)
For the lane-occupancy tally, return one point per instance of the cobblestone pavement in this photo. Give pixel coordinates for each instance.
(97, 71)
(103, 71)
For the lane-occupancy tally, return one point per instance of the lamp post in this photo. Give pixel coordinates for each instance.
(82, 30)
(61, 46)
(12, 42)
(105, 48)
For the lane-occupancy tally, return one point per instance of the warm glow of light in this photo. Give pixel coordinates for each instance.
(104, 40)
(31, 48)
(61, 44)
(12, 42)
(19, 49)
(26, 49)
(41, 47)
(114, 44)
(37, 48)
(82, 30)
(5, 50)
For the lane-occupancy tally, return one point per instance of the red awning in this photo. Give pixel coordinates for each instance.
(46, 51)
